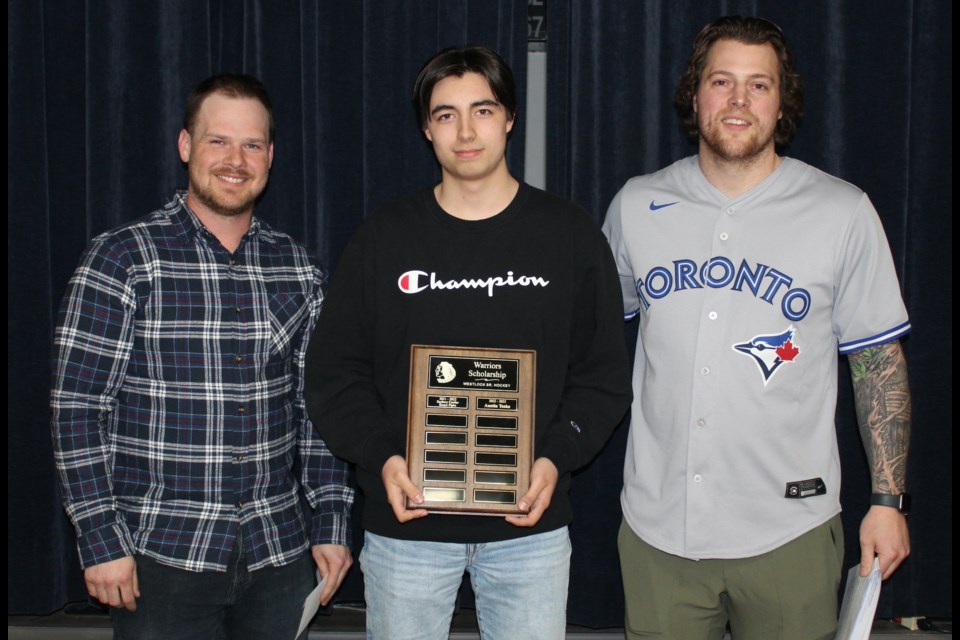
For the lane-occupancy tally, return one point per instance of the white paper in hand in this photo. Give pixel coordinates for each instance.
(859, 603)
(310, 606)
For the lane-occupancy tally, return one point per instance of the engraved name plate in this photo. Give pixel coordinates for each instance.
(470, 426)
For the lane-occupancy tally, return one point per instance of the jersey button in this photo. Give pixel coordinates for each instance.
(724, 236)
(730, 211)
(712, 315)
(697, 478)
(705, 370)
(701, 423)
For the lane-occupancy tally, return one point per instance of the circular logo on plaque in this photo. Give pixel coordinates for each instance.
(445, 372)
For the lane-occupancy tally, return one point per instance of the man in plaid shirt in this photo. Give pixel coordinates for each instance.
(177, 401)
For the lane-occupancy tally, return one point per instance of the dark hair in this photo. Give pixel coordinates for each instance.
(747, 31)
(457, 62)
(231, 85)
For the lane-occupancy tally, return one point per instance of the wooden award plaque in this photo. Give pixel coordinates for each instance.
(470, 424)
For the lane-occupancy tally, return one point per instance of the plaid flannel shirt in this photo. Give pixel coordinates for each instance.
(177, 400)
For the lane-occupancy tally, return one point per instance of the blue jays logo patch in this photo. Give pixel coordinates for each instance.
(770, 351)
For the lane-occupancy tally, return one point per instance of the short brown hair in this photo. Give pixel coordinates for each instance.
(232, 85)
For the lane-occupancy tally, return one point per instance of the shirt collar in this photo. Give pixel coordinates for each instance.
(188, 225)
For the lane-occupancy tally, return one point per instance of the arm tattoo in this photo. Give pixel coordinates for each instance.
(882, 398)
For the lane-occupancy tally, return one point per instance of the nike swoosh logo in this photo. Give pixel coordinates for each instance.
(656, 207)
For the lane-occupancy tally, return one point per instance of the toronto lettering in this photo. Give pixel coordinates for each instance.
(763, 281)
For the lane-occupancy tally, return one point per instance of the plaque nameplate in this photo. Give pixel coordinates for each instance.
(441, 494)
(445, 457)
(445, 475)
(496, 404)
(494, 440)
(496, 422)
(470, 428)
(447, 402)
(445, 420)
(445, 437)
(495, 477)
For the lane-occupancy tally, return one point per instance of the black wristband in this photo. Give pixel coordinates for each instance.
(899, 502)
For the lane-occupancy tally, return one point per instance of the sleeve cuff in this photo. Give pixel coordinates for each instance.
(560, 450)
(330, 528)
(377, 453)
(110, 542)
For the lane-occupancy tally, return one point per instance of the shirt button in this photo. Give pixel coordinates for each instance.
(233, 262)
(240, 409)
(705, 370)
(724, 236)
(730, 211)
(697, 478)
(239, 457)
(712, 315)
(238, 358)
(237, 309)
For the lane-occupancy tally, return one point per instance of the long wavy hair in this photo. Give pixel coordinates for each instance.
(747, 30)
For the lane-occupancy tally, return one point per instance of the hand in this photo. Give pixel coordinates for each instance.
(543, 482)
(333, 561)
(883, 533)
(114, 583)
(399, 487)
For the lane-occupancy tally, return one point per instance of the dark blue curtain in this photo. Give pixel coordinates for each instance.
(879, 115)
(95, 104)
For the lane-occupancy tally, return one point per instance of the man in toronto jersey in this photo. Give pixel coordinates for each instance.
(750, 272)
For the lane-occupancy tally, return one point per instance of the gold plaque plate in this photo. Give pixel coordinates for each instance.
(470, 426)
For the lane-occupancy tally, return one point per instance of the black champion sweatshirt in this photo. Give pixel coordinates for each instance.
(539, 275)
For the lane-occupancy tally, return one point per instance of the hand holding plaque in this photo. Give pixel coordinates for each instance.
(470, 422)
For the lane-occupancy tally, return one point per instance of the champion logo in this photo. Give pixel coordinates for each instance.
(656, 207)
(770, 352)
(416, 281)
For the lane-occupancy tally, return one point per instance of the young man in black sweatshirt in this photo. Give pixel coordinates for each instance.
(478, 261)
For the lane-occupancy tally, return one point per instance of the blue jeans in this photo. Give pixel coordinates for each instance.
(175, 604)
(520, 586)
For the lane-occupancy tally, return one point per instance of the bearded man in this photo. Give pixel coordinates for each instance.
(177, 401)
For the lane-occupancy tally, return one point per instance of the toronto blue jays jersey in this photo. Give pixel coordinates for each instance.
(743, 305)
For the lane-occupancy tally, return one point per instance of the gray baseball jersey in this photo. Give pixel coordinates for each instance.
(732, 450)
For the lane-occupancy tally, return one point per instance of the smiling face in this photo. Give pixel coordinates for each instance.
(468, 128)
(738, 102)
(228, 155)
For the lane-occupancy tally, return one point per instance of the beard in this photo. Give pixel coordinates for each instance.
(237, 205)
(743, 150)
